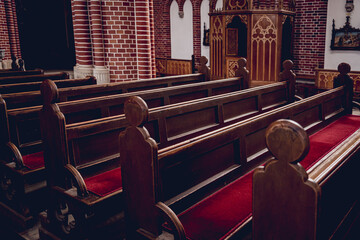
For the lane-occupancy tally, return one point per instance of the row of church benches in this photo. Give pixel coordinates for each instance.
(26, 99)
(88, 151)
(92, 108)
(24, 124)
(35, 86)
(219, 204)
(25, 127)
(72, 192)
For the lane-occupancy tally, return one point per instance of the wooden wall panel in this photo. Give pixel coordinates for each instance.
(264, 50)
(217, 38)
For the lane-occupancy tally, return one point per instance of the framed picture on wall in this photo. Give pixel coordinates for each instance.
(345, 38)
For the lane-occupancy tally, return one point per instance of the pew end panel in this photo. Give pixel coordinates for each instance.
(72, 194)
(16, 179)
(332, 202)
(141, 146)
(290, 191)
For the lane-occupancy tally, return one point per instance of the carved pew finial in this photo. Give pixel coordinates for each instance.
(343, 79)
(284, 199)
(138, 156)
(136, 111)
(52, 123)
(287, 141)
(243, 72)
(204, 69)
(344, 68)
(49, 92)
(288, 75)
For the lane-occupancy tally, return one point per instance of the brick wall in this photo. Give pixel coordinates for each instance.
(81, 32)
(128, 39)
(309, 35)
(119, 39)
(4, 34)
(144, 39)
(162, 29)
(197, 27)
(114, 39)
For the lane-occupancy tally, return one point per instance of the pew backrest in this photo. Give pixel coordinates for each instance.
(9, 73)
(168, 66)
(75, 93)
(33, 78)
(87, 109)
(324, 79)
(35, 86)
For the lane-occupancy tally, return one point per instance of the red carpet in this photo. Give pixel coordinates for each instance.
(329, 137)
(218, 214)
(105, 183)
(34, 160)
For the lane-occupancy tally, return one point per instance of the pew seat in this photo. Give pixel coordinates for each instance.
(105, 183)
(34, 160)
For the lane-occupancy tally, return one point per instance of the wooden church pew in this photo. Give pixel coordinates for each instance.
(25, 129)
(92, 145)
(324, 201)
(92, 108)
(33, 78)
(202, 186)
(24, 123)
(35, 86)
(19, 100)
(316, 197)
(8, 73)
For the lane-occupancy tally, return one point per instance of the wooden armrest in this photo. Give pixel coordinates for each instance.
(173, 220)
(298, 98)
(15, 155)
(77, 180)
(356, 105)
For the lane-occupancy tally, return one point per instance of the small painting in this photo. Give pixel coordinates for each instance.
(346, 38)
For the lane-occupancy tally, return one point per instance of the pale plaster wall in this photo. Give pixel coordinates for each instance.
(204, 9)
(336, 10)
(181, 31)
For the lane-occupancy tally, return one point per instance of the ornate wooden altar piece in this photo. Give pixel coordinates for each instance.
(259, 30)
